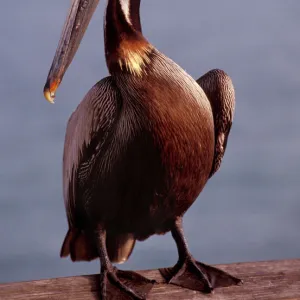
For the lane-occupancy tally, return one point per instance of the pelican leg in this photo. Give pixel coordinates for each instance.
(191, 274)
(117, 284)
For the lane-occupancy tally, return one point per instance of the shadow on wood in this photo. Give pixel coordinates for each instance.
(262, 280)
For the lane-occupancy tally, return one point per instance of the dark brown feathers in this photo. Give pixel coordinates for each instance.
(219, 90)
(140, 147)
(87, 132)
(79, 246)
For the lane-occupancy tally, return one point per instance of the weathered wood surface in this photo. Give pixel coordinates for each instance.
(278, 280)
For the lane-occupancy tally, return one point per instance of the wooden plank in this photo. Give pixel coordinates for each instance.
(278, 280)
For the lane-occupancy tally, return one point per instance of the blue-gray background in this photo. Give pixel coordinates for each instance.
(249, 211)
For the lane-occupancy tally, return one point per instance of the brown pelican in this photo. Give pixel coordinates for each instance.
(139, 149)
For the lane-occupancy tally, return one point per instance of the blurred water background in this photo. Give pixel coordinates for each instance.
(249, 211)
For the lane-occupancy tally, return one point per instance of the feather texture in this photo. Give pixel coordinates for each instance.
(219, 90)
(87, 132)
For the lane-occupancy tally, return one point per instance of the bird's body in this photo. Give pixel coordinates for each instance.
(141, 145)
(144, 168)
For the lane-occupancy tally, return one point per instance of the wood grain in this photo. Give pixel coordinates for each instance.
(278, 280)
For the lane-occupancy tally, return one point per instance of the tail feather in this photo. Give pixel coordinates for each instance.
(78, 246)
(119, 247)
(82, 248)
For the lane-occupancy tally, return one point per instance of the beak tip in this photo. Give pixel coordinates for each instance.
(50, 96)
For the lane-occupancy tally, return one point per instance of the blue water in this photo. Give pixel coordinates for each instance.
(249, 211)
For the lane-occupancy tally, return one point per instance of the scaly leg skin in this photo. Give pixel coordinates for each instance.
(189, 273)
(116, 284)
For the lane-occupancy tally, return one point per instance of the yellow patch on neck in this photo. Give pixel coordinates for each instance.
(134, 57)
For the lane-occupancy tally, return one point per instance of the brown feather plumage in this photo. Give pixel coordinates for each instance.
(139, 149)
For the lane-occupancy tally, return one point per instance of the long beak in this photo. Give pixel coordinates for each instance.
(78, 19)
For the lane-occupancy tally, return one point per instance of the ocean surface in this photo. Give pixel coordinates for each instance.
(250, 210)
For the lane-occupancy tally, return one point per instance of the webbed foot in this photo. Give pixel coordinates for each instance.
(117, 284)
(198, 276)
(191, 274)
(124, 285)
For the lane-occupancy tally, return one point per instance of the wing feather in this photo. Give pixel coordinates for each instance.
(219, 90)
(89, 127)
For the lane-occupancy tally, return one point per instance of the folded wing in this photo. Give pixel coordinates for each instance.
(219, 90)
(88, 131)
